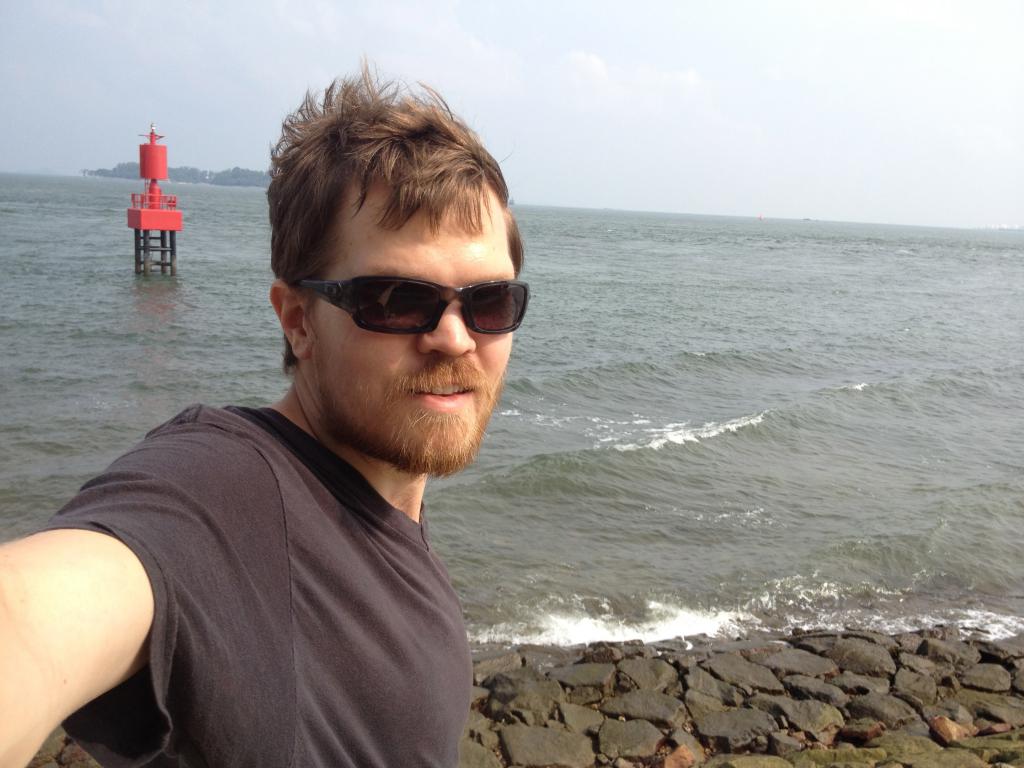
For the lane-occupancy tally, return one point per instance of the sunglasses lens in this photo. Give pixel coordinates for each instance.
(395, 305)
(497, 307)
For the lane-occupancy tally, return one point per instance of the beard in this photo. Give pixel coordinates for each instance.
(385, 425)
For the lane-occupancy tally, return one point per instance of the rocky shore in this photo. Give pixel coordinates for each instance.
(852, 699)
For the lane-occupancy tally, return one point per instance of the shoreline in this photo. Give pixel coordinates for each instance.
(932, 698)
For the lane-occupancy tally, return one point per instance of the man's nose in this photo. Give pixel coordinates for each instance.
(451, 337)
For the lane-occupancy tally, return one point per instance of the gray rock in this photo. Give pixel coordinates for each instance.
(909, 642)
(920, 687)
(698, 679)
(894, 712)
(993, 706)
(816, 644)
(1003, 650)
(889, 643)
(649, 674)
(782, 744)
(587, 674)
(633, 738)
(950, 651)
(682, 738)
(659, 708)
(1018, 681)
(734, 669)
(699, 703)
(493, 660)
(803, 687)
(736, 729)
(820, 720)
(532, 747)
(854, 684)
(987, 677)
(950, 708)
(918, 664)
(905, 748)
(531, 701)
(862, 657)
(580, 719)
(603, 653)
(585, 694)
(477, 694)
(794, 661)
(472, 755)
(544, 657)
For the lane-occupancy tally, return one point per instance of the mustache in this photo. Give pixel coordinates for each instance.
(458, 373)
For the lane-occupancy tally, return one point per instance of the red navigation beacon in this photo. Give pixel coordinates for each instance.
(154, 216)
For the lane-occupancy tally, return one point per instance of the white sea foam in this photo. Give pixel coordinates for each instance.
(681, 433)
(856, 387)
(571, 628)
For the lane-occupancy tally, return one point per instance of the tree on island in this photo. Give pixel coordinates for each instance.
(233, 177)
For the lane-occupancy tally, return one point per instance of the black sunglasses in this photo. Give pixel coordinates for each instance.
(405, 305)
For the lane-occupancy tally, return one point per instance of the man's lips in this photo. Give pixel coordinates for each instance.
(444, 391)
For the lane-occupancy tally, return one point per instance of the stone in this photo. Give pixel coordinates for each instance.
(632, 738)
(889, 643)
(857, 757)
(477, 694)
(652, 674)
(909, 642)
(994, 706)
(580, 719)
(880, 706)
(952, 758)
(543, 657)
(513, 696)
(853, 683)
(947, 731)
(950, 708)
(950, 651)
(488, 662)
(682, 738)
(903, 748)
(918, 664)
(680, 757)
(794, 661)
(862, 729)
(822, 721)
(920, 687)
(698, 679)
(862, 657)
(734, 669)
(659, 708)
(782, 744)
(987, 677)
(472, 755)
(736, 729)
(603, 653)
(748, 761)
(804, 687)
(1018, 681)
(1003, 650)
(816, 644)
(50, 749)
(700, 704)
(532, 747)
(591, 675)
(585, 694)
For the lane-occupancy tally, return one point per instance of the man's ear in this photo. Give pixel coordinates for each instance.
(292, 307)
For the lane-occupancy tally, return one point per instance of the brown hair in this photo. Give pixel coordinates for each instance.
(360, 132)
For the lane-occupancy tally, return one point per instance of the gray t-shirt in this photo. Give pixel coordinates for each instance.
(301, 620)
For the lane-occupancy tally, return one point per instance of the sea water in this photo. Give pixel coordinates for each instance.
(710, 424)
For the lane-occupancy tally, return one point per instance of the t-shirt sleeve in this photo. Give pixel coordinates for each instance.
(202, 512)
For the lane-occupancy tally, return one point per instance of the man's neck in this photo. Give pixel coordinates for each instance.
(400, 489)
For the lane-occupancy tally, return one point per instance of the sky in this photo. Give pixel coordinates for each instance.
(899, 111)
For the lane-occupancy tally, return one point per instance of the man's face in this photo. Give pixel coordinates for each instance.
(419, 402)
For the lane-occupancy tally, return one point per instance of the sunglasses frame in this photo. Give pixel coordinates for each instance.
(341, 293)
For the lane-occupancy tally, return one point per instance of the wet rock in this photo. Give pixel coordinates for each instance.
(736, 729)
(518, 697)
(862, 730)
(859, 684)
(750, 677)
(822, 721)
(794, 661)
(473, 755)
(649, 674)
(603, 653)
(911, 684)
(889, 643)
(488, 662)
(698, 679)
(533, 747)
(803, 687)
(862, 657)
(952, 652)
(986, 677)
(903, 748)
(816, 644)
(590, 675)
(633, 738)
(1003, 650)
(659, 708)
(918, 664)
(543, 657)
(880, 706)
(580, 719)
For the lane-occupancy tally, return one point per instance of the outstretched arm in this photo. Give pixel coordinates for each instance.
(75, 612)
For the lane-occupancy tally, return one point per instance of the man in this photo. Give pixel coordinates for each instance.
(256, 587)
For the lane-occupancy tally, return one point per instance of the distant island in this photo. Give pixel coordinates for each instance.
(233, 177)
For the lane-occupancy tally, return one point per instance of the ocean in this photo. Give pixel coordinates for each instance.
(710, 424)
